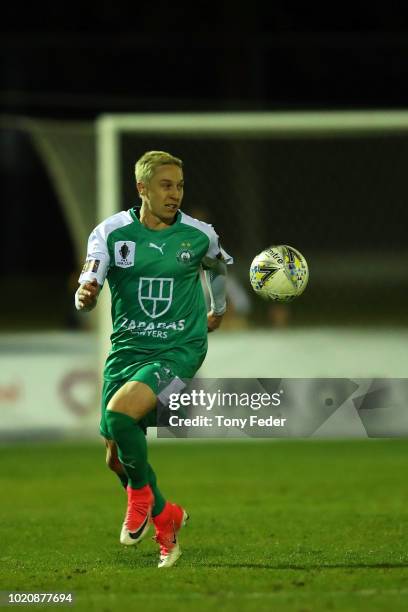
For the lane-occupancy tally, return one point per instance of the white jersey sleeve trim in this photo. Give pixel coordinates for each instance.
(97, 258)
(215, 251)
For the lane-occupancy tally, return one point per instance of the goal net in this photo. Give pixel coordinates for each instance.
(330, 184)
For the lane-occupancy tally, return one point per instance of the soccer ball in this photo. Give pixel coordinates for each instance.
(279, 273)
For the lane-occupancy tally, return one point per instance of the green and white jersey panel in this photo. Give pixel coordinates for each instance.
(215, 250)
(158, 307)
(98, 258)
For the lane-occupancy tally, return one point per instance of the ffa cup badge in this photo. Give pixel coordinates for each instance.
(125, 253)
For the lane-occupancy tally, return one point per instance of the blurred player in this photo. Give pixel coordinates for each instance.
(151, 257)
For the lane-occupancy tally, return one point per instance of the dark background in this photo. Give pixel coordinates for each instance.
(71, 62)
(102, 56)
(143, 56)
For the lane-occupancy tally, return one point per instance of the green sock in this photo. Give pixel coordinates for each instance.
(132, 447)
(159, 501)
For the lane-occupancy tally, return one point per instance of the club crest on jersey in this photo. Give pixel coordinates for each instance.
(185, 254)
(125, 253)
(155, 295)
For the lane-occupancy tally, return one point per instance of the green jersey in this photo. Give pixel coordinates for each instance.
(158, 307)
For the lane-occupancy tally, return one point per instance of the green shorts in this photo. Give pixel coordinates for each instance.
(157, 375)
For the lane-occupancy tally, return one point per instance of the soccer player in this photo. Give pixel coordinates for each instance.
(151, 257)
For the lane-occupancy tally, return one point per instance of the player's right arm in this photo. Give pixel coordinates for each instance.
(94, 271)
(87, 295)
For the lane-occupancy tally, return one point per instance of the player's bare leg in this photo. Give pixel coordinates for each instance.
(134, 398)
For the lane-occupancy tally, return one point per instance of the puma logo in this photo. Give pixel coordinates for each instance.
(156, 246)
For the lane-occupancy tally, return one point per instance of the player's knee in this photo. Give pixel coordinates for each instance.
(119, 405)
(113, 405)
(116, 423)
(135, 399)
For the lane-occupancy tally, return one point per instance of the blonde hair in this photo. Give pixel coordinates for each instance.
(147, 165)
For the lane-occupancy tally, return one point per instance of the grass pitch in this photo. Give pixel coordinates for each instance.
(275, 525)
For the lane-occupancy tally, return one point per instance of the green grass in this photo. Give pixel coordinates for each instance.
(275, 525)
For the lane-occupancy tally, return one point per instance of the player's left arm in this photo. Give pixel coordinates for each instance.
(216, 278)
(215, 268)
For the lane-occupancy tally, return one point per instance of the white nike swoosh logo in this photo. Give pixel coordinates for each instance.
(134, 535)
